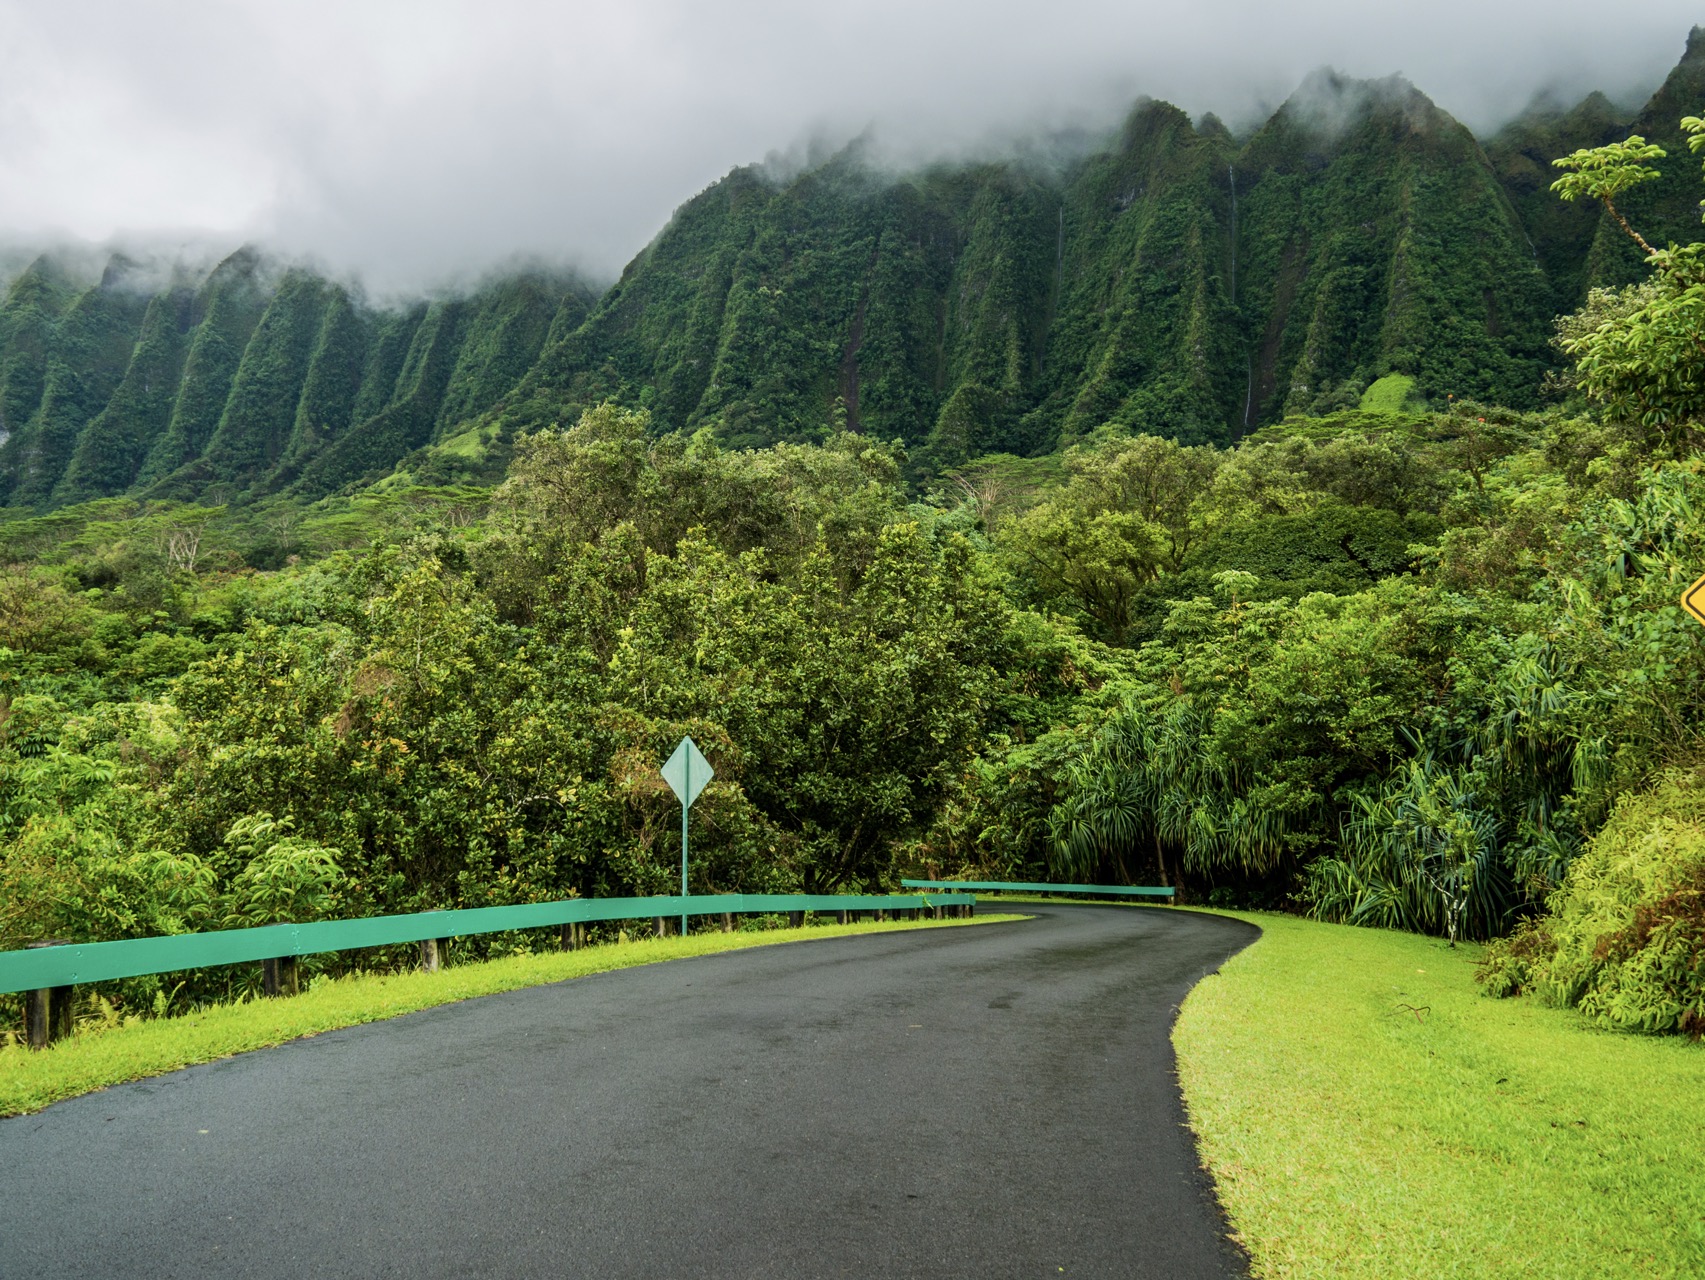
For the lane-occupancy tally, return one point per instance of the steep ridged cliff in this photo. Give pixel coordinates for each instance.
(1178, 281)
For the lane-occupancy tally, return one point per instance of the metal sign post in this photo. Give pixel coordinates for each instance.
(686, 772)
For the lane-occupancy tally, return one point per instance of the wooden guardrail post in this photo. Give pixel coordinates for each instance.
(433, 951)
(278, 976)
(48, 1010)
(573, 936)
(728, 922)
(796, 919)
(842, 917)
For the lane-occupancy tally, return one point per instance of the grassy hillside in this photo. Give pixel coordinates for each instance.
(1521, 154)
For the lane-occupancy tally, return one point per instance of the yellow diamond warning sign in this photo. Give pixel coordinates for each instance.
(1693, 600)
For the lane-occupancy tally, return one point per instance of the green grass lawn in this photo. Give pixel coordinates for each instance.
(1367, 1112)
(94, 1059)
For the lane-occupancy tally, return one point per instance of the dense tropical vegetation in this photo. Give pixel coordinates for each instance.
(988, 520)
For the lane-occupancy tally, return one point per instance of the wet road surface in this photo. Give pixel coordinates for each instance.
(989, 1101)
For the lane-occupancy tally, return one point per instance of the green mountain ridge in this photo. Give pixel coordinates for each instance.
(1179, 281)
(254, 381)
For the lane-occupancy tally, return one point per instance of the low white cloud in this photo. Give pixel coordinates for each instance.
(415, 142)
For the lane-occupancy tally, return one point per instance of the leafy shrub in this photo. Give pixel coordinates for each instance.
(66, 877)
(286, 879)
(1624, 937)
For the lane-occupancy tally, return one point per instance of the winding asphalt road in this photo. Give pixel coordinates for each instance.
(991, 1101)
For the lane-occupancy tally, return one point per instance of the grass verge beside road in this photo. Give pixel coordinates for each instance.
(1366, 1112)
(95, 1059)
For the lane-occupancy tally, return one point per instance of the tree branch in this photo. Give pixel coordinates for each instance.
(1633, 234)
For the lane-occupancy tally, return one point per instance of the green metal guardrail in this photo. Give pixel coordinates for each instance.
(74, 963)
(990, 886)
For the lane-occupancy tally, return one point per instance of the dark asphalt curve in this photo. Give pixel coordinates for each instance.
(989, 1101)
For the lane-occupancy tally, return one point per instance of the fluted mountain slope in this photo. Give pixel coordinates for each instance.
(1178, 281)
(251, 381)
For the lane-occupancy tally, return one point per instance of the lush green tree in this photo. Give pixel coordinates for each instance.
(1132, 508)
(1605, 173)
(1395, 668)
(1644, 360)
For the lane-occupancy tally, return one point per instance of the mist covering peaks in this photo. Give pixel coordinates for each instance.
(1328, 103)
(423, 151)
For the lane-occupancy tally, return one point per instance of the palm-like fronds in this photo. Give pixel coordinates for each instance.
(1149, 783)
(1421, 853)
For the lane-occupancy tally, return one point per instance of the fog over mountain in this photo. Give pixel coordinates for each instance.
(417, 143)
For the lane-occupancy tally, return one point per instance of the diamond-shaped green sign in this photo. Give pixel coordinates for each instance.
(687, 771)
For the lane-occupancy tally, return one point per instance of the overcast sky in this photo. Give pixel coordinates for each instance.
(417, 142)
